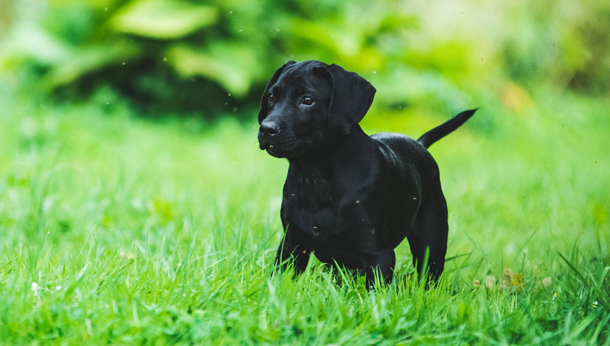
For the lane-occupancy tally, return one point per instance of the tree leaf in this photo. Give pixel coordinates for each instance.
(89, 59)
(32, 42)
(231, 65)
(163, 19)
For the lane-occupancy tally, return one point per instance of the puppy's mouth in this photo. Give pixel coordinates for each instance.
(287, 146)
(278, 145)
(283, 152)
(264, 144)
(275, 150)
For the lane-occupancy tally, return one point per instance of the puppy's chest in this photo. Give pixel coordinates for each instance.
(319, 209)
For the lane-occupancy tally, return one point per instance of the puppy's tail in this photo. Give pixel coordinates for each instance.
(428, 138)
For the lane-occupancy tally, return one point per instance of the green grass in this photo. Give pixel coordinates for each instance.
(118, 230)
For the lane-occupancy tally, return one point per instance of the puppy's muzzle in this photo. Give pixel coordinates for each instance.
(266, 132)
(269, 129)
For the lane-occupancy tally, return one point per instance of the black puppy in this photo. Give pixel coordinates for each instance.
(348, 197)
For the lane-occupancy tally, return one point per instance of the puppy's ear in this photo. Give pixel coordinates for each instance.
(263, 112)
(352, 97)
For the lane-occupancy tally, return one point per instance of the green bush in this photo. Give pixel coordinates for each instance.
(214, 57)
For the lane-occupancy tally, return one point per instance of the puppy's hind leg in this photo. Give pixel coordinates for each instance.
(429, 234)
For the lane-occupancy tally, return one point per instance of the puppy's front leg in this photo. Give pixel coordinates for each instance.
(290, 250)
(381, 263)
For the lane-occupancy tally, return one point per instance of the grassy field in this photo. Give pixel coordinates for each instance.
(120, 230)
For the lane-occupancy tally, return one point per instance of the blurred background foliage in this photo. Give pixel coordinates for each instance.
(214, 57)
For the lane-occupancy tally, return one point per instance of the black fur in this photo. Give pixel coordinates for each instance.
(350, 198)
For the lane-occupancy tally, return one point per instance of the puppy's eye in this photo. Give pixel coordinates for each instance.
(271, 98)
(306, 100)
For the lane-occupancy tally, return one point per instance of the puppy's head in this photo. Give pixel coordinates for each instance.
(305, 103)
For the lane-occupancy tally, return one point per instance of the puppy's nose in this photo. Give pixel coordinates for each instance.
(269, 129)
